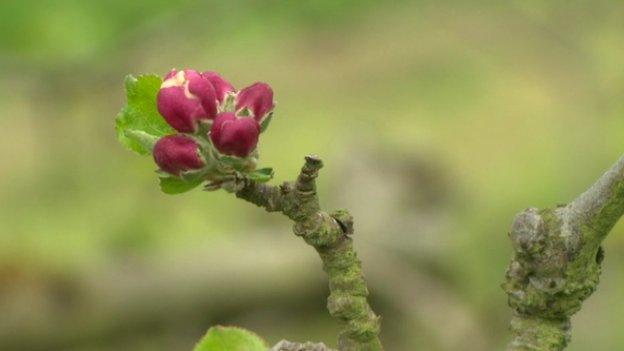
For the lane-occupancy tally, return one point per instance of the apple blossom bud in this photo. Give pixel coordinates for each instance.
(221, 86)
(258, 98)
(185, 98)
(171, 73)
(178, 153)
(235, 136)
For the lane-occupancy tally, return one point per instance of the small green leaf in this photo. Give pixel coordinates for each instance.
(262, 175)
(139, 121)
(265, 123)
(173, 185)
(230, 339)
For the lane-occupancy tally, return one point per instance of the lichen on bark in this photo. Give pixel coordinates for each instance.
(329, 234)
(294, 346)
(557, 262)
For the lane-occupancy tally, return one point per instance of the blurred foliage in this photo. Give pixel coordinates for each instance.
(230, 339)
(466, 111)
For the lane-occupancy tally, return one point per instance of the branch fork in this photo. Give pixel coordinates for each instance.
(557, 262)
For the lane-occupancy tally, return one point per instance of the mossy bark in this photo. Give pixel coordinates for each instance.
(294, 346)
(329, 234)
(556, 262)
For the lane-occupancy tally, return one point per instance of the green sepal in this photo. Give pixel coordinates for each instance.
(231, 160)
(230, 339)
(265, 122)
(173, 185)
(262, 175)
(228, 104)
(204, 126)
(227, 164)
(191, 176)
(244, 112)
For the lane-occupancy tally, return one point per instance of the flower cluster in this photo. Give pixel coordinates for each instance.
(212, 118)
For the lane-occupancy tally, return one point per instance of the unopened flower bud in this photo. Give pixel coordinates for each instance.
(235, 136)
(185, 98)
(257, 98)
(175, 154)
(221, 86)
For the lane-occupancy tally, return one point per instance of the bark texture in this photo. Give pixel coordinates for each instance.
(556, 262)
(329, 234)
(293, 346)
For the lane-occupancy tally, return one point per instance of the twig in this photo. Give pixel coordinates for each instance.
(329, 234)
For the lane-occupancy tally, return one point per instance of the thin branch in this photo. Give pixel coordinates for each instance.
(329, 234)
(602, 205)
(556, 262)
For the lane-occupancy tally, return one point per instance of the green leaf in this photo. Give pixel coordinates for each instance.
(230, 339)
(265, 124)
(172, 185)
(230, 160)
(139, 123)
(139, 137)
(262, 175)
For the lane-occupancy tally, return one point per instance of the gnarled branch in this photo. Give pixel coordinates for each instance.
(556, 262)
(329, 234)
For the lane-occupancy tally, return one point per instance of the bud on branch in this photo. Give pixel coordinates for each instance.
(186, 98)
(257, 99)
(175, 154)
(236, 136)
(218, 130)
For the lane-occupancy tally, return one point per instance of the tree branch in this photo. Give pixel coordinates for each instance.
(556, 262)
(602, 205)
(293, 346)
(329, 234)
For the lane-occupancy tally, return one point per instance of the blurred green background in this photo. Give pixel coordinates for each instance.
(437, 121)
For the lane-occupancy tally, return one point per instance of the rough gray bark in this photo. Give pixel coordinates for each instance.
(329, 234)
(556, 262)
(293, 346)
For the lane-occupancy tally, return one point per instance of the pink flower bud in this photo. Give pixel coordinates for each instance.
(236, 136)
(175, 154)
(171, 73)
(221, 86)
(185, 98)
(258, 98)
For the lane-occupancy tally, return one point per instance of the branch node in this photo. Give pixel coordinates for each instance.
(285, 188)
(344, 219)
(314, 161)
